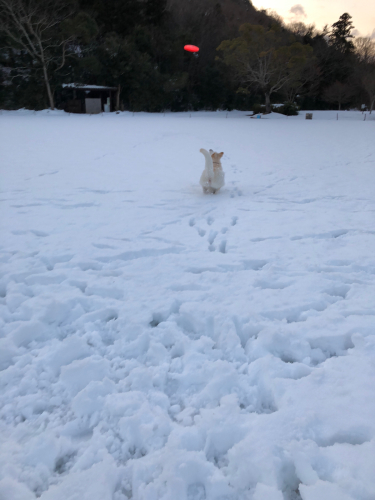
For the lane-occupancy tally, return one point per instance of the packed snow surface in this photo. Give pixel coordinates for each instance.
(161, 344)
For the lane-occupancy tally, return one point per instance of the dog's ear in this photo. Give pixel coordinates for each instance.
(221, 154)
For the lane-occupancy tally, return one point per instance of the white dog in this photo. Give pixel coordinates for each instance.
(212, 178)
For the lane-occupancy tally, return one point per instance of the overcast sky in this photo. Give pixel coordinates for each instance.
(323, 12)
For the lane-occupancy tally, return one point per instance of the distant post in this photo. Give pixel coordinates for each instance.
(118, 91)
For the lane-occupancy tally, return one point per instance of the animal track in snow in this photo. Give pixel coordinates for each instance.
(296, 314)
(200, 270)
(40, 234)
(256, 240)
(102, 246)
(45, 279)
(18, 232)
(339, 262)
(338, 290)
(78, 205)
(162, 316)
(211, 239)
(355, 437)
(51, 261)
(27, 205)
(81, 285)
(270, 285)
(331, 346)
(246, 265)
(65, 463)
(89, 266)
(104, 315)
(235, 192)
(102, 291)
(212, 236)
(254, 265)
(196, 491)
(139, 254)
(222, 246)
(330, 234)
(49, 173)
(188, 287)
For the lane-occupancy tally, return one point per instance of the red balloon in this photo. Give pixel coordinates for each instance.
(191, 48)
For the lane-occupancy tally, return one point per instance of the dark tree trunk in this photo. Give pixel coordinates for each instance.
(268, 102)
(118, 97)
(48, 87)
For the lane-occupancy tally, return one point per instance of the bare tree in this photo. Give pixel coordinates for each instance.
(301, 29)
(33, 27)
(305, 81)
(338, 93)
(368, 83)
(275, 16)
(261, 60)
(365, 49)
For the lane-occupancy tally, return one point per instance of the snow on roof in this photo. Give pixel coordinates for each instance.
(87, 87)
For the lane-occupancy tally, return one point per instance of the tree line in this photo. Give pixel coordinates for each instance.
(248, 58)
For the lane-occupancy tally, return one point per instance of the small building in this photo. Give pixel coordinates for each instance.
(91, 99)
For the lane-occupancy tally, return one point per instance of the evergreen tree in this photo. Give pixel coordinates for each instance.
(340, 36)
(121, 16)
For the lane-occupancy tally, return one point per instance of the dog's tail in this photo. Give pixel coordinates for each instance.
(209, 165)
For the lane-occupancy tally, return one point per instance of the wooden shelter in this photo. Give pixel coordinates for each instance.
(91, 99)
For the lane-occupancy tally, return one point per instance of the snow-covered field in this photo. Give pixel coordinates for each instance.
(160, 344)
